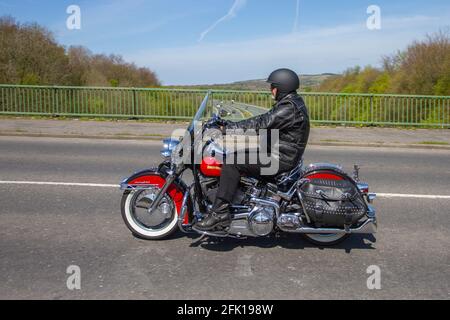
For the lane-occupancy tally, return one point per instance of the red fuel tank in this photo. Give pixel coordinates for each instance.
(210, 167)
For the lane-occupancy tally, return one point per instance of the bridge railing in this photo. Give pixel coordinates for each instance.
(100, 102)
(325, 108)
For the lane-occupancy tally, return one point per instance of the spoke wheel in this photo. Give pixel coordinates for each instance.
(147, 224)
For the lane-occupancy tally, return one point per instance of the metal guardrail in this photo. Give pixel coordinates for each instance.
(332, 108)
(99, 102)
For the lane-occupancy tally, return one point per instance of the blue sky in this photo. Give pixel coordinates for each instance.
(218, 41)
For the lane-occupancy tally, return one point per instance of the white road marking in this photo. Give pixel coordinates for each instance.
(417, 196)
(96, 185)
(63, 184)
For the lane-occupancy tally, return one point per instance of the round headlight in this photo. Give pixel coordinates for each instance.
(168, 146)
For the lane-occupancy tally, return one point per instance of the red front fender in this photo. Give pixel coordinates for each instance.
(156, 178)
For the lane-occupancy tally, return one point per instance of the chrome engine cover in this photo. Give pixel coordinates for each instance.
(289, 221)
(261, 220)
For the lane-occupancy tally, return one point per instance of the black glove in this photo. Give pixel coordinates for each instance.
(211, 124)
(222, 122)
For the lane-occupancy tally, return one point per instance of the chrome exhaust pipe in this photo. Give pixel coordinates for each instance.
(368, 227)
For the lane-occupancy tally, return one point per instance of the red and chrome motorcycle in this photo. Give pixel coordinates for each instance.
(320, 201)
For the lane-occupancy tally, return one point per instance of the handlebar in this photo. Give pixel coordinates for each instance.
(216, 122)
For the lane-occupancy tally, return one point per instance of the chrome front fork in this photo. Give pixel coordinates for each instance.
(170, 179)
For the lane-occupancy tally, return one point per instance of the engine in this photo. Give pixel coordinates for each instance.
(247, 190)
(260, 200)
(289, 221)
(261, 220)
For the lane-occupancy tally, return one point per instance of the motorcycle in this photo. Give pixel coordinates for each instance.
(320, 201)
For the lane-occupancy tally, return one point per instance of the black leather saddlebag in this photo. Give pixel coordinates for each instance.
(332, 203)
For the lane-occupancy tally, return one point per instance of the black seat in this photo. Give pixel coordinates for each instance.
(285, 180)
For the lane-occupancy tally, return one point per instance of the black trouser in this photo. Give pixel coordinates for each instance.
(231, 176)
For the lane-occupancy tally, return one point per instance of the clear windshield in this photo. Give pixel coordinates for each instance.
(202, 113)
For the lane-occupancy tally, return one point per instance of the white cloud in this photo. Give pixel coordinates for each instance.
(237, 5)
(310, 51)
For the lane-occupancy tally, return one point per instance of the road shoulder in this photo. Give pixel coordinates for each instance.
(137, 130)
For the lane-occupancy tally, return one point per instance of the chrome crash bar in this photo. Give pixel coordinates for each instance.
(184, 227)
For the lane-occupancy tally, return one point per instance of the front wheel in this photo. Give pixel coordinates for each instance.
(159, 224)
(325, 239)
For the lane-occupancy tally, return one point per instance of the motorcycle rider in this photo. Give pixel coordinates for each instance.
(290, 116)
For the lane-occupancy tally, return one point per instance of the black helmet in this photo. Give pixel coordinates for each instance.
(285, 80)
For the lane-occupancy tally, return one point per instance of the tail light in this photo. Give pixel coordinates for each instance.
(363, 188)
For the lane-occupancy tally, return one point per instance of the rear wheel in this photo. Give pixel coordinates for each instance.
(330, 239)
(159, 224)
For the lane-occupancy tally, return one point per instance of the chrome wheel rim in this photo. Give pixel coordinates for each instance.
(325, 237)
(156, 220)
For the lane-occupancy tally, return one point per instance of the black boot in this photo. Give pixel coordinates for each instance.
(220, 216)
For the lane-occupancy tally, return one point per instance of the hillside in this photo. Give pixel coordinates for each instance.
(30, 55)
(423, 68)
(308, 82)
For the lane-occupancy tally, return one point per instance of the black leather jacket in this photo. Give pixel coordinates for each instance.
(290, 117)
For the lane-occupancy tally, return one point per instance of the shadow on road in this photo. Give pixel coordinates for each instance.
(286, 241)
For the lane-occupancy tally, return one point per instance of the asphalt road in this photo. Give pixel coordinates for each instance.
(254, 110)
(44, 229)
(238, 110)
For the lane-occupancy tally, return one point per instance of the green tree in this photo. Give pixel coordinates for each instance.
(423, 68)
(29, 54)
